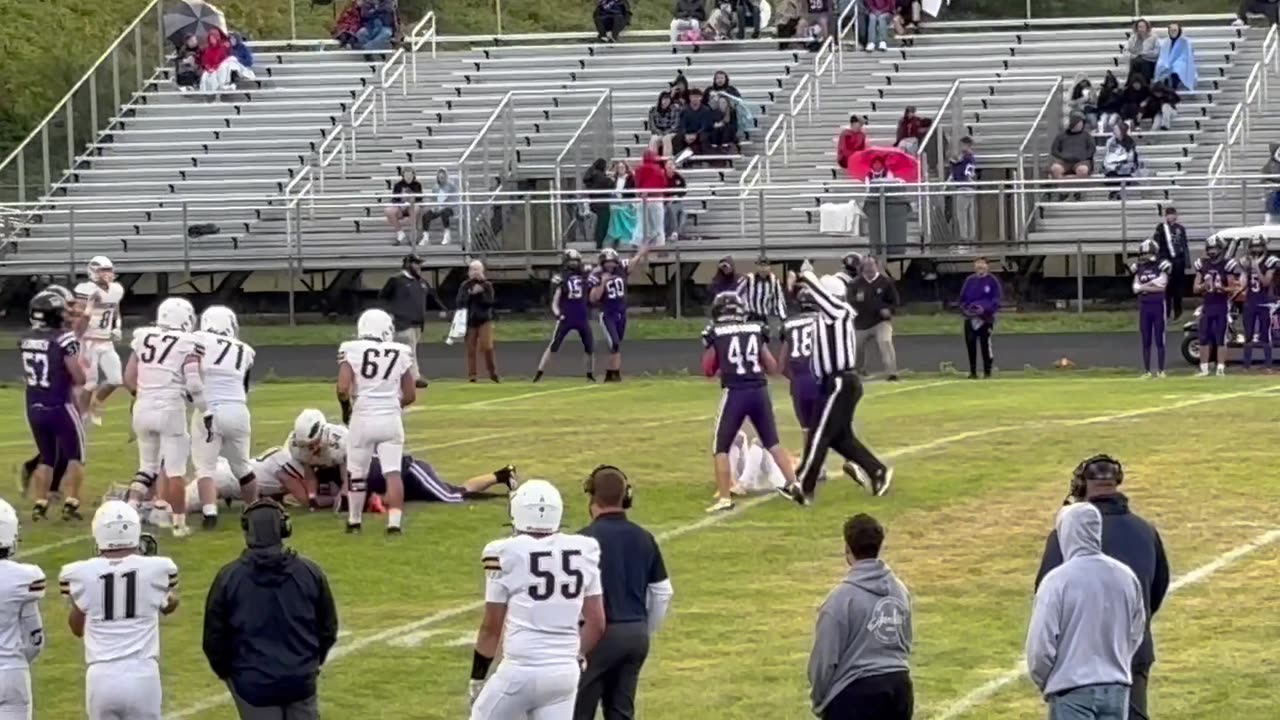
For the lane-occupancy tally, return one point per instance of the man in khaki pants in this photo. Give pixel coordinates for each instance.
(874, 297)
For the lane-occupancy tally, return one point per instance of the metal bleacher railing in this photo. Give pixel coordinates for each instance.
(1230, 153)
(595, 134)
(1033, 152)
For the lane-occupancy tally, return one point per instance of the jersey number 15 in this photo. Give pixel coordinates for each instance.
(543, 566)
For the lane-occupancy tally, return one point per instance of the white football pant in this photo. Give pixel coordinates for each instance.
(380, 436)
(123, 690)
(15, 695)
(101, 362)
(231, 440)
(161, 427)
(542, 693)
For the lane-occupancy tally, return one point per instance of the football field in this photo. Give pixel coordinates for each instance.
(982, 468)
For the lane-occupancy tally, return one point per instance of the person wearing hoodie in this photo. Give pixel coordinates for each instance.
(269, 622)
(1108, 102)
(853, 139)
(860, 664)
(243, 55)
(651, 184)
(378, 20)
(1129, 538)
(720, 84)
(675, 213)
(689, 16)
(1120, 159)
(186, 63)
(1073, 150)
(441, 203)
(597, 178)
(1087, 623)
(1142, 50)
(726, 278)
(216, 63)
(979, 303)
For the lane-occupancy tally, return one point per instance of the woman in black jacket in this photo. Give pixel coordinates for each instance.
(720, 84)
(1109, 101)
(1161, 106)
(597, 178)
(1133, 97)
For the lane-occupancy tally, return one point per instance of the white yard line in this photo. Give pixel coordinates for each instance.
(24, 553)
(362, 642)
(524, 396)
(987, 690)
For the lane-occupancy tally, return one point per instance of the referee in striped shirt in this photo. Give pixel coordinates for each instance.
(763, 294)
(834, 353)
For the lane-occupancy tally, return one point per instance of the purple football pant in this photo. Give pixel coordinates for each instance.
(57, 432)
(806, 400)
(1151, 324)
(738, 405)
(564, 327)
(615, 328)
(1257, 324)
(1213, 328)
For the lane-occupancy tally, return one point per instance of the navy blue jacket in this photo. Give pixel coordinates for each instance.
(1134, 542)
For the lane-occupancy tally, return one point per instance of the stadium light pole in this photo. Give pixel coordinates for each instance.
(497, 10)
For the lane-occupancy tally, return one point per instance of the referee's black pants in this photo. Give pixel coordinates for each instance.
(613, 672)
(834, 431)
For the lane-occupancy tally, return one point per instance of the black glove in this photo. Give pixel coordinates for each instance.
(208, 427)
(346, 411)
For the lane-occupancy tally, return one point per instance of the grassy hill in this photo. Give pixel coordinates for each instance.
(47, 46)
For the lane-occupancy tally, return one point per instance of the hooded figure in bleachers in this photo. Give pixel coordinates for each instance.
(1177, 62)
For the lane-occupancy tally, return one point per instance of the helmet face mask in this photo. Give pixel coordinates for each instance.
(101, 270)
(1149, 250)
(46, 311)
(1213, 248)
(1258, 246)
(572, 259)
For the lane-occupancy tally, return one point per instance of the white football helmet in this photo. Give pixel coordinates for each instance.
(8, 527)
(375, 325)
(116, 526)
(536, 507)
(833, 285)
(176, 313)
(101, 269)
(309, 427)
(220, 320)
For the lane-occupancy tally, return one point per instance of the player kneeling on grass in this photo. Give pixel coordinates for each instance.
(21, 588)
(223, 432)
(375, 383)
(117, 599)
(544, 600)
(739, 350)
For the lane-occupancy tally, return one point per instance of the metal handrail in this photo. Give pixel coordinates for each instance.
(362, 108)
(772, 143)
(842, 29)
(1033, 131)
(606, 96)
(420, 35)
(393, 69)
(325, 156)
(1255, 86)
(823, 60)
(926, 217)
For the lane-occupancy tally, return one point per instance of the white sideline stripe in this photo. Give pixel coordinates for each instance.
(26, 552)
(987, 690)
(523, 396)
(383, 636)
(413, 639)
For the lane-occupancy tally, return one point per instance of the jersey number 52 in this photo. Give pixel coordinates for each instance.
(543, 566)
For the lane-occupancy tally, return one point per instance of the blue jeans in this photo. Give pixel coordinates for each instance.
(878, 28)
(1092, 702)
(374, 36)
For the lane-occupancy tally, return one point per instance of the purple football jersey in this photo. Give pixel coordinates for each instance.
(574, 303)
(738, 348)
(614, 300)
(1257, 291)
(43, 356)
(1149, 271)
(1216, 276)
(798, 333)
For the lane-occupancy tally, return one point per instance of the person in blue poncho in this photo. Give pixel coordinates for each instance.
(1177, 62)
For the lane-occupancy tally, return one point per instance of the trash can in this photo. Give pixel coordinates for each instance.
(888, 236)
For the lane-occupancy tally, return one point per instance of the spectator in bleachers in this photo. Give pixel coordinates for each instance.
(1142, 50)
(787, 16)
(611, 18)
(218, 63)
(1176, 64)
(962, 178)
(443, 206)
(622, 209)
(1270, 9)
(664, 121)
(720, 84)
(879, 18)
(243, 55)
(911, 130)
(726, 278)
(675, 212)
(346, 25)
(852, 139)
(1120, 158)
(696, 123)
(907, 20)
(689, 17)
(187, 65)
(378, 25)
(1083, 98)
(1073, 150)
(1161, 106)
(1133, 98)
(405, 198)
(651, 182)
(817, 22)
(1108, 102)
(680, 92)
(748, 17)
(723, 21)
(597, 178)
(724, 132)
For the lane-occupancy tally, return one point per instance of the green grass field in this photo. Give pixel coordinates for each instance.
(982, 468)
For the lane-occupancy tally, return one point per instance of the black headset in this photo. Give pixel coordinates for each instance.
(1095, 467)
(589, 486)
(286, 526)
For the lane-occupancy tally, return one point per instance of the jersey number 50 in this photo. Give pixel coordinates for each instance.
(570, 589)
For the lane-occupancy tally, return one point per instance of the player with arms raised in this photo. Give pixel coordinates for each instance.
(99, 331)
(163, 372)
(740, 351)
(224, 431)
(21, 629)
(539, 584)
(608, 285)
(117, 599)
(1217, 279)
(375, 375)
(572, 310)
(53, 373)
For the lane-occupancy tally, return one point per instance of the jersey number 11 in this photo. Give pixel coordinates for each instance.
(130, 596)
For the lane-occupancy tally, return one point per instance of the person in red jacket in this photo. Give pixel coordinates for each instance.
(852, 139)
(650, 180)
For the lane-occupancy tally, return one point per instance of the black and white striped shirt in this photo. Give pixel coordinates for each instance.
(763, 296)
(834, 346)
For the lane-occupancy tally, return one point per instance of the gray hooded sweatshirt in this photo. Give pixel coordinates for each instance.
(1088, 619)
(864, 630)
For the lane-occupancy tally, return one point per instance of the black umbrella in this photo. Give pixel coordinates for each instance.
(192, 17)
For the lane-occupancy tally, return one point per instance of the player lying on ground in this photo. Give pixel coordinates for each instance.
(423, 484)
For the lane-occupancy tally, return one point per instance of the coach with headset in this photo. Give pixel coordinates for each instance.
(637, 594)
(269, 622)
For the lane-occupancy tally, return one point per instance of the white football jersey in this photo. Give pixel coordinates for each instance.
(101, 308)
(332, 452)
(270, 463)
(224, 365)
(121, 599)
(378, 367)
(161, 355)
(543, 582)
(224, 482)
(21, 587)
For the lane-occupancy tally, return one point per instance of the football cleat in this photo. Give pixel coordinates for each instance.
(71, 512)
(507, 476)
(39, 512)
(353, 528)
(721, 505)
(209, 522)
(880, 483)
(181, 531)
(857, 474)
(394, 530)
